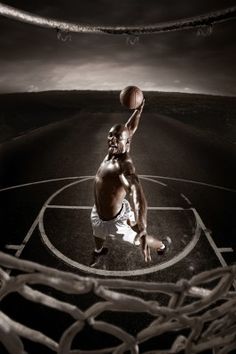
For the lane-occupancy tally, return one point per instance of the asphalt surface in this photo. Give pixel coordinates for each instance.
(162, 147)
(188, 179)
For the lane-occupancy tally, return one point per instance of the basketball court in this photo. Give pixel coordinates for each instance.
(60, 236)
(61, 233)
(47, 220)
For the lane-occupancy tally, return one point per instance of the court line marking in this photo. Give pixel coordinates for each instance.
(148, 176)
(152, 180)
(211, 242)
(33, 226)
(225, 249)
(135, 272)
(27, 237)
(58, 206)
(192, 181)
(210, 239)
(41, 182)
(12, 247)
(186, 198)
(86, 207)
(88, 269)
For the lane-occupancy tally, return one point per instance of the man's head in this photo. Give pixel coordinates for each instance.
(118, 139)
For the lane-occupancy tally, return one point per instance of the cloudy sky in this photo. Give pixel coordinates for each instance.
(33, 59)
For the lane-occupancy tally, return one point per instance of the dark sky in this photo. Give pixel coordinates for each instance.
(33, 59)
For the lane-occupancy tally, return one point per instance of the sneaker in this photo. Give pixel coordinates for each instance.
(97, 256)
(167, 242)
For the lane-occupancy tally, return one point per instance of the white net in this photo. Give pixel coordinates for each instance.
(200, 313)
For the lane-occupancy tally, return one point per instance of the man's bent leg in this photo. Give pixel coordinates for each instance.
(99, 242)
(98, 251)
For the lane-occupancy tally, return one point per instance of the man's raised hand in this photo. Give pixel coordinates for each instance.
(140, 108)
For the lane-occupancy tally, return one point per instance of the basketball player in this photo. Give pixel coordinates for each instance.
(115, 179)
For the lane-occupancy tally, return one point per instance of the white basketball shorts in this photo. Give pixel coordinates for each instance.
(115, 227)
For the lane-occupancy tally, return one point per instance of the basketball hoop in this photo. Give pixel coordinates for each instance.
(69, 27)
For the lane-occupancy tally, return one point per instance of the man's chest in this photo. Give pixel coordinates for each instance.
(110, 168)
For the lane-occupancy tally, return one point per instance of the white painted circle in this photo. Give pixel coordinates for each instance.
(124, 273)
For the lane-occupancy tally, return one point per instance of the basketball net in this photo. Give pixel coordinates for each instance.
(199, 313)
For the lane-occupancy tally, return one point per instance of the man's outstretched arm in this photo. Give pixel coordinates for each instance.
(133, 122)
(139, 206)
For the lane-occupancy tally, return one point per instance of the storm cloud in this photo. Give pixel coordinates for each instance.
(33, 59)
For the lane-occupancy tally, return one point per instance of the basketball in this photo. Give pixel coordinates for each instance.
(131, 97)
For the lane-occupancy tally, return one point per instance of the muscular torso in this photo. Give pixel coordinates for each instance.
(109, 191)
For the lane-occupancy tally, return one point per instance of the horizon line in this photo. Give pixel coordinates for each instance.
(117, 90)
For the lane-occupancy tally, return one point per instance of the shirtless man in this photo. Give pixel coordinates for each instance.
(115, 179)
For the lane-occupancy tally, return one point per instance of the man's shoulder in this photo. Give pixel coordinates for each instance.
(127, 166)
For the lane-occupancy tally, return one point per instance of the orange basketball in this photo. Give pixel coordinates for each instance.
(131, 97)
